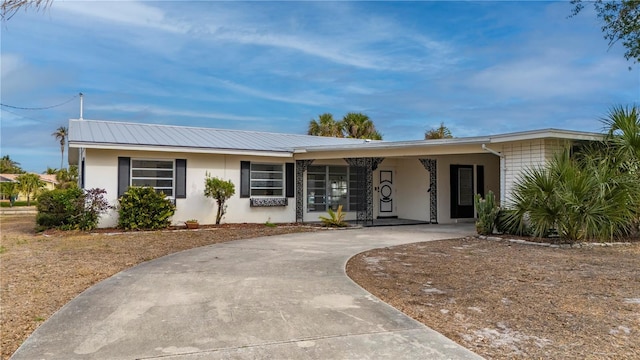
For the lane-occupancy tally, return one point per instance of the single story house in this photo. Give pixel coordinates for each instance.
(295, 178)
(49, 181)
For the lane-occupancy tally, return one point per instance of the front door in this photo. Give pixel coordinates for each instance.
(461, 191)
(386, 204)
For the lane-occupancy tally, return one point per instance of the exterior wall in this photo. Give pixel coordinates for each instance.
(101, 172)
(411, 190)
(411, 195)
(491, 165)
(519, 156)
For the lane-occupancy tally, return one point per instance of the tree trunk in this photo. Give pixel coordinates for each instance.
(220, 212)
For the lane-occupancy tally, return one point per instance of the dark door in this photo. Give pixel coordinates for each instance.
(461, 191)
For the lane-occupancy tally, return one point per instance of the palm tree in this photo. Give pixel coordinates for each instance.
(622, 126)
(67, 178)
(325, 126)
(61, 133)
(8, 166)
(29, 184)
(441, 132)
(359, 126)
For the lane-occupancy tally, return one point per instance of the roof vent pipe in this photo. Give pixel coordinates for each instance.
(485, 148)
(81, 105)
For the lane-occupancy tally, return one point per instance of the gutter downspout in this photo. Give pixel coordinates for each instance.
(81, 150)
(503, 173)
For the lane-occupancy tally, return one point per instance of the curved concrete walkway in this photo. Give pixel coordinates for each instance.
(281, 297)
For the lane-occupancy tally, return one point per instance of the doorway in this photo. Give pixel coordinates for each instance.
(462, 191)
(386, 201)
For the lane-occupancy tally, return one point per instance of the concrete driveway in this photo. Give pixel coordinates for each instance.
(281, 297)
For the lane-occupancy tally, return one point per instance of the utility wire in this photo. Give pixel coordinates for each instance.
(39, 108)
(24, 117)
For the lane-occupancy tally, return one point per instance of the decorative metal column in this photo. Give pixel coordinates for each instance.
(364, 168)
(301, 167)
(431, 166)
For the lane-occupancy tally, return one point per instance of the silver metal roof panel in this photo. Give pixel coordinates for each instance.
(121, 133)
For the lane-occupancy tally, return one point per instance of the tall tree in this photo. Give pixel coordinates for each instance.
(67, 178)
(325, 126)
(441, 132)
(8, 166)
(359, 126)
(29, 184)
(9, 190)
(621, 22)
(61, 134)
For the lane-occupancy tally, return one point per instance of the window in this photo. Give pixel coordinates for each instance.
(267, 179)
(155, 173)
(331, 186)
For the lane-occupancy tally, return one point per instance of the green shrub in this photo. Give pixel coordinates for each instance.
(589, 196)
(487, 213)
(335, 218)
(70, 208)
(142, 208)
(512, 222)
(59, 208)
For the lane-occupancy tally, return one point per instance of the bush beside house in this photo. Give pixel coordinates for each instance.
(142, 208)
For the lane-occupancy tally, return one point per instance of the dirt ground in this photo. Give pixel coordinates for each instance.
(513, 301)
(499, 299)
(39, 273)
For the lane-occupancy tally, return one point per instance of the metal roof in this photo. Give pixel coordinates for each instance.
(82, 132)
(112, 134)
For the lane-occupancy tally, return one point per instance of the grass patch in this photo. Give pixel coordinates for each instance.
(6, 204)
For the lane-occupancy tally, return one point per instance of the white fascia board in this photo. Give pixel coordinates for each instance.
(392, 145)
(174, 149)
(547, 134)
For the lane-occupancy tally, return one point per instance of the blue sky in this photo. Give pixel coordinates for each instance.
(480, 67)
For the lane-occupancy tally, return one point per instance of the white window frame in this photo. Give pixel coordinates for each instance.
(282, 180)
(156, 188)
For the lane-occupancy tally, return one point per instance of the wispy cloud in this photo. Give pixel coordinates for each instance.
(167, 112)
(131, 13)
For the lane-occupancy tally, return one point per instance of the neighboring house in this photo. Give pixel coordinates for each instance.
(49, 183)
(296, 178)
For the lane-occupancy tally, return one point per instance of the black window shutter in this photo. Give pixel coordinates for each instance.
(181, 178)
(245, 179)
(480, 180)
(290, 181)
(124, 172)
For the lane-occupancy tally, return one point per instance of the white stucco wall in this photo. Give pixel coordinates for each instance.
(101, 172)
(411, 191)
(411, 181)
(491, 165)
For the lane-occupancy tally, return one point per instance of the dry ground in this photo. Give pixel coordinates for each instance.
(41, 272)
(513, 301)
(498, 299)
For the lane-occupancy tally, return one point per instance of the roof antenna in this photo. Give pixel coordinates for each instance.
(81, 104)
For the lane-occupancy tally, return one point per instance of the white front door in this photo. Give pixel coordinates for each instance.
(386, 203)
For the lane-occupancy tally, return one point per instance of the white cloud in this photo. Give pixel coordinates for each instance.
(130, 13)
(161, 111)
(304, 97)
